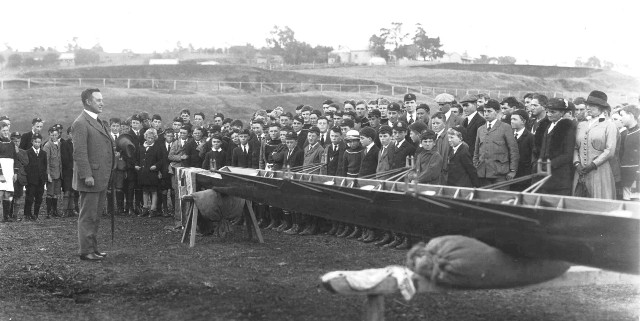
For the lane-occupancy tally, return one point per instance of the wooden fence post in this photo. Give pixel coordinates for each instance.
(174, 84)
(28, 83)
(218, 86)
(128, 83)
(407, 90)
(358, 89)
(301, 87)
(281, 87)
(420, 90)
(104, 82)
(340, 88)
(393, 90)
(79, 82)
(2, 84)
(240, 86)
(261, 88)
(377, 88)
(321, 85)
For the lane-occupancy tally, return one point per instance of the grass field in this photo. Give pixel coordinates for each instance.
(149, 275)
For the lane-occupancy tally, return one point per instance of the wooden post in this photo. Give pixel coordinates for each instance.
(321, 87)
(2, 84)
(340, 88)
(374, 308)
(393, 90)
(254, 221)
(28, 83)
(433, 91)
(104, 82)
(128, 83)
(358, 89)
(240, 86)
(420, 90)
(218, 86)
(79, 82)
(377, 88)
(174, 84)
(261, 88)
(407, 90)
(456, 92)
(281, 87)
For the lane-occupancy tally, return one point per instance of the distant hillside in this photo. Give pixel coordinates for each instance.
(525, 70)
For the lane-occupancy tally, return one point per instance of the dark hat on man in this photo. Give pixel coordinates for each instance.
(522, 113)
(558, 104)
(428, 134)
(15, 134)
(144, 115)
(334, 105)
(469, 99)
(394, 107)
(36, 120)
(291, 135)
(215, 128)
(597, 98)
(136, 117)
(368, 132)
(327, 102)
(299, 119)
(375, 113)
(156, 116)
(5, 117)
(511, 101)
(493, 104)
(177, 119)
(409, 97)
(245, 131)
(216, 115)
(418, 126)
(401, 126)
(168, 130)
(314, 129)
(216, 136)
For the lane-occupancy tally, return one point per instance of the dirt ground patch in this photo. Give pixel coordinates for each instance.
(149, 275)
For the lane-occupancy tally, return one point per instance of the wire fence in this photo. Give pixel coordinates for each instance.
(242, 87)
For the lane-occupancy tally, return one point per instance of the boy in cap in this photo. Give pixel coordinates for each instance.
(428, 160)
(215, 158)
(472, 121)
(403, 147)
(352, 160)
(393, 112)
(410, 108)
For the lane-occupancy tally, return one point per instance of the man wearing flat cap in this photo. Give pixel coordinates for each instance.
(558, 143)
(445, 102)
(472, 121)
(496, 156)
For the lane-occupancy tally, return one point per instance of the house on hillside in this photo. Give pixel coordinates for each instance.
(454, 57)
(67, 59)
(344, 55)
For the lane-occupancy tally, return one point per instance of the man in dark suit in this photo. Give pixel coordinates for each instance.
(193, 147)
(36, 128)
(461, 170)
(496, 156)
(472, 121)
(94, 160)
(241, 156)
(369, 153)
(519, 118)
(558, 144)
(36, 177)
(442, 146)
(301, 132)
(335, 152)
(404, 147)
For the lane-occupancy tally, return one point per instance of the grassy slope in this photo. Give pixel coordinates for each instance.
(62, 104)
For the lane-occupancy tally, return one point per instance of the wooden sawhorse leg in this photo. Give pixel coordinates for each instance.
(251, 220)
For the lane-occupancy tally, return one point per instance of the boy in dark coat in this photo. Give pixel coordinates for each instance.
(149, 164)
(461, 170)
(36, 178)
(525, 141)
(242, 155)
(352, 158)
(370, 152)
(428, 161)
(216, 157)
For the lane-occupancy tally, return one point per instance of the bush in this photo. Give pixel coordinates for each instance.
(14, 60)
(50, 59)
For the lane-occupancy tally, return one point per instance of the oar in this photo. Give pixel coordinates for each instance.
(482, 209)
(242, 178)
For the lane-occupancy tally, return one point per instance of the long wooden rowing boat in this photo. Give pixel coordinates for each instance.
(599, 233)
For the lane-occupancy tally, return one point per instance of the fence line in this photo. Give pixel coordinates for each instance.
(239, 87)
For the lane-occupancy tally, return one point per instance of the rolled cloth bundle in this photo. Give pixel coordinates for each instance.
(216, 210)
(462, 262)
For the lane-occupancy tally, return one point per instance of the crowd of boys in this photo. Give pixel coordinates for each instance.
(474, 141)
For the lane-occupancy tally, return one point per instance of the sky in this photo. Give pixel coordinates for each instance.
(535, 32)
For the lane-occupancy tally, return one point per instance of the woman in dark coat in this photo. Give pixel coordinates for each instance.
(149, 165)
